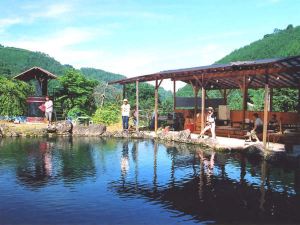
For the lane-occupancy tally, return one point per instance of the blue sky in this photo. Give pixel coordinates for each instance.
(134, 37)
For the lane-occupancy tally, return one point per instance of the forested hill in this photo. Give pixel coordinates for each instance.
(15, 60)
(93, 73)
(281, 43)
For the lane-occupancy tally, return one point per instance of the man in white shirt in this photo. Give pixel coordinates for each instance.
(125, 109)
(48, 109)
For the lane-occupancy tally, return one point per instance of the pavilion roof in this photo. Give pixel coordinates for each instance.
(280, 72)
(34, 71)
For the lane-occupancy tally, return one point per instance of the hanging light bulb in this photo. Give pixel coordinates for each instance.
(277, 78)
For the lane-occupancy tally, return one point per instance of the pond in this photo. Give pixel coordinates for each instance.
(115, 181)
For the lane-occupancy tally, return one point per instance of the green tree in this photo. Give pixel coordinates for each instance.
(13, 94)
(108, 114)
(76, 92)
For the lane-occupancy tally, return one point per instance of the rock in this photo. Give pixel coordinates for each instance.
(3, 130)
(138, 135)
(61, 128)
(181, 136)
(184, 136)
(91, 130)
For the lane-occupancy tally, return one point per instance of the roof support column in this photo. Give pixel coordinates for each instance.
(156, 105)
(245, 95)
(174, 95)
(266, 109)
(271, 100)
(225, 96)
(137, 106)
(124, 91)
(203, 93)
(196, 91)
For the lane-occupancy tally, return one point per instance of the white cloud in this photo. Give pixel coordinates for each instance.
(7, 22)
(63, 45)
(51, 11)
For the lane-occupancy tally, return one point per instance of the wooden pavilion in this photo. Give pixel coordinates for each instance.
(243, 75)
(39, 78)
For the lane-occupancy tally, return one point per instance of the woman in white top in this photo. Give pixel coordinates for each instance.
(210, 123)
(48, 109)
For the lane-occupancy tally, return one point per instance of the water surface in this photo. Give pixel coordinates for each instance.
(114, 181)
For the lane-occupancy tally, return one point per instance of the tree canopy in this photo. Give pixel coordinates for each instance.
(76, 91)
(13, 94)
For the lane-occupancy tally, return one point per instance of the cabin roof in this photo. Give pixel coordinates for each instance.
(34, 71)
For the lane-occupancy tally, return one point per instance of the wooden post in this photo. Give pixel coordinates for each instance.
(196, 91)
(137, 106)
(156, 106)
(271, 100)
(266, 107)
(245, 94)
(203, 108)
(225, 96)
(124, 91)
(174, 95)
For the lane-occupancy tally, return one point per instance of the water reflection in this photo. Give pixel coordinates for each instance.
(36, 168)
(226, 188)
(90, 176)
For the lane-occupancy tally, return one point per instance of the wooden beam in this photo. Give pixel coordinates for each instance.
(137, 106)
(174, 95)
(266, 107)
(238, 73)
(159, 83)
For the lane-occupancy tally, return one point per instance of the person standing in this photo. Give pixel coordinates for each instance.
(125, 109)
(210, 123)
(48, 109)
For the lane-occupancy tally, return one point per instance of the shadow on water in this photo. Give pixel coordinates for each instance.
(198, 185)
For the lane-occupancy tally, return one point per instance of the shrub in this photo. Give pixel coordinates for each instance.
(107, 114)
(75, 112)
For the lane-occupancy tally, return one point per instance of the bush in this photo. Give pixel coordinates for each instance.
(75, 112)
(107, 114)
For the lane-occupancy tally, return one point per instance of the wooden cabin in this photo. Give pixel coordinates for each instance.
(39, 78)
